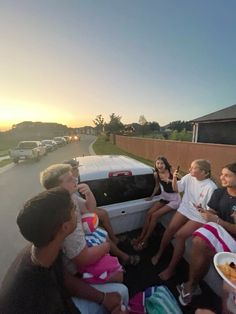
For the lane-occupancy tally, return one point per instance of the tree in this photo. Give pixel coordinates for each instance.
(99, 123)
(154, 126)
(115, 125)
(143, 121)
(180, 125)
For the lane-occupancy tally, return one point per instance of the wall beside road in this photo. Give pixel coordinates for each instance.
(179, 153)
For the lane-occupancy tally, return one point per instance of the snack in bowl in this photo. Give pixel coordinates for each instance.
(229, 271)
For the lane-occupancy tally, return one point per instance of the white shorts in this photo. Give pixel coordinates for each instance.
(173, 199)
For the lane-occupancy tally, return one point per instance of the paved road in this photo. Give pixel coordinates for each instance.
(19, 184)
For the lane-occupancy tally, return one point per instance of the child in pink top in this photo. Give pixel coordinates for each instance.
(107, 268)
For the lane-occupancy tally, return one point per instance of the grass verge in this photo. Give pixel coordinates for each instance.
(6, 144)
(3, 153)
(5, 162)
(104, 147)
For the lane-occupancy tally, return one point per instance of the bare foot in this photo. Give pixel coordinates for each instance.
(140, 246)
(155, 259)
(166, 274)
(135, 241)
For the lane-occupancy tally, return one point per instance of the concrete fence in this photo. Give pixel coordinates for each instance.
(179, 153)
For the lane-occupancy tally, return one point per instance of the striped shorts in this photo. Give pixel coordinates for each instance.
(216, 237)
(97, 237)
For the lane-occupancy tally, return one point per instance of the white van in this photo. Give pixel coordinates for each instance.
(120, 185)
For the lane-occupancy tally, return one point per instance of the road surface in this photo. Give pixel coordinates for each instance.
(20, 183)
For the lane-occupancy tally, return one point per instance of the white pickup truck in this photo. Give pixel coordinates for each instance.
(121, 185)
(27, 150)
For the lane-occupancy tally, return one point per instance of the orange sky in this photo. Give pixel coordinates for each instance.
(15, 113)
(71, 62)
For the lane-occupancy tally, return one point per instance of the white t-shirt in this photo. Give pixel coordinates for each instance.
(197, 192)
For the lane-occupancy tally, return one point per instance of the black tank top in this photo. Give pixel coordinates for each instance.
(167, 187)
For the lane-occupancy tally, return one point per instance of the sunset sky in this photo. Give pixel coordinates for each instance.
(68, 61)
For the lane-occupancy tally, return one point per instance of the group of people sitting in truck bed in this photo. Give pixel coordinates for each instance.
(66, 270)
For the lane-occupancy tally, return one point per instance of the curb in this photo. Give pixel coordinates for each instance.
(7, 167)
(91, 151)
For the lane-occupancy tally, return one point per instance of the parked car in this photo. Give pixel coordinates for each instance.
(60, 141)
(120, 185)
(67, 138)
(27, 150)
(50, 145)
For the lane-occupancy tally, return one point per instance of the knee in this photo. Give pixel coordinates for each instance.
(156, 215)
(181, 236)
(198, 242)
(170, 231)
(199, 245)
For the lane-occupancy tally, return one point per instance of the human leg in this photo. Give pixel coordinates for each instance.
(117, 277)
(123, 256)
(154, 219)
(184, 232)
(204, 311)
(146, 225)
(105, 220)
(176, 222)
(88, 307)
(208, 240)
(200, 259)
(152, 224)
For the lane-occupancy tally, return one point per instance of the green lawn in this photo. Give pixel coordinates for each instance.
(5, 162)
(104, 147)
(6, 144)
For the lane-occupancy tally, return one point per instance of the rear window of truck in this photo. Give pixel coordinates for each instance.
(120, 189)
(28, 145)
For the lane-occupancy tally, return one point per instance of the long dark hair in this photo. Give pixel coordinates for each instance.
(231, 167)
(165, 161)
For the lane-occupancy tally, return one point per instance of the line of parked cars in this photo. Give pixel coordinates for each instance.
(36, 149)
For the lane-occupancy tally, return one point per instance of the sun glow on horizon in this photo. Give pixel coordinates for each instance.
(14, 113)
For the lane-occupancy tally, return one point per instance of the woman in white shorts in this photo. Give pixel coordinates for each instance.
(198, 188)
(169, 200)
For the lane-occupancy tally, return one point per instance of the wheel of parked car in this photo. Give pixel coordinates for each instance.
(37, 157)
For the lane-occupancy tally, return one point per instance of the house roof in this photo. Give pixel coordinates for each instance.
(228, 113)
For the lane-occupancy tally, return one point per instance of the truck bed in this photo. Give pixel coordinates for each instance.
(148, 274)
